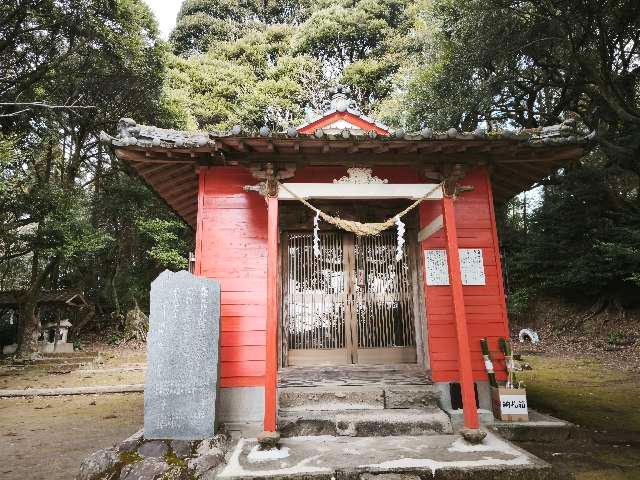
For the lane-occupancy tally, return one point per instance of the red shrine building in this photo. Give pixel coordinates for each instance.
(302, 308)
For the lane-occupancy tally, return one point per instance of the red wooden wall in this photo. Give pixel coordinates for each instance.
(231, 246)
(485, 304)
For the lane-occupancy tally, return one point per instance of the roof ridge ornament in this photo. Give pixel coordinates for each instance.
(341, 100)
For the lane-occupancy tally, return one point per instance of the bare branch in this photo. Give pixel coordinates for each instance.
(5, 115)
(46, 105)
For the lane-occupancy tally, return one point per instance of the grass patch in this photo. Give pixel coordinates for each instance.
(584, 392)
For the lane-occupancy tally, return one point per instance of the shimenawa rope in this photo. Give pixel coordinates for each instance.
(361, 229)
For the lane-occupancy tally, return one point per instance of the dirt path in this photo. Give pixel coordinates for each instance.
(46, 438)
(112, 366)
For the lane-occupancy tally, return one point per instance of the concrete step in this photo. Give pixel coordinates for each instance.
(441, 457)
(365, 423)
(411, 396)
(300, 399)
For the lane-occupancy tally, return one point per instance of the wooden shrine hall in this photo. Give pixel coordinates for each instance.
(300, 292)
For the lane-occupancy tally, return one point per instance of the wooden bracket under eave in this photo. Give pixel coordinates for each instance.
(452, 174)
(264, 171)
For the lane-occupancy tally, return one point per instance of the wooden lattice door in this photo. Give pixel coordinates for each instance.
(351, 304)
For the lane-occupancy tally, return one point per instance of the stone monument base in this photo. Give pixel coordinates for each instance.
(137, 458)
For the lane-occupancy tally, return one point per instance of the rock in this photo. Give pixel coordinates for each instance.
(136, 325)
(148, 469)
(182, 448)
(268, 439)
(97, 464)
(153, 449)
(206, 462)
(132, 443)
(216, 442)
(473, 435)
(175, 473)
(389, 476)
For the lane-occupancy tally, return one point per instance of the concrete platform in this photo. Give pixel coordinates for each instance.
(353, 375)
(438, 457)
(457, 418)
(539, 428)
(364, 423)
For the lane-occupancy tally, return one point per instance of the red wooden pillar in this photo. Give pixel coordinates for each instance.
(270, 384)
(470, 411)
(202, 174)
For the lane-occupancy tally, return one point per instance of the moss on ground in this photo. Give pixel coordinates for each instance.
(172, 459)
(598, 399)
(127, 458)
(585, 393)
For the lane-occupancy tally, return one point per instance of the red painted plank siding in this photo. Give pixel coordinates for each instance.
(231, 246)
(485, 305)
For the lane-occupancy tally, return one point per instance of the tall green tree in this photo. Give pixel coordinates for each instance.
(202, 23)
(70, 69)
(583, 241)
(255, 80)
(506, 63)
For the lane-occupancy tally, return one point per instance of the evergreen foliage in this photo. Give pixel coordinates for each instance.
(69, 214)
(71, 217)
(582, 243)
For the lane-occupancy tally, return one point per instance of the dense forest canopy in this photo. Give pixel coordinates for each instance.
(72, 217)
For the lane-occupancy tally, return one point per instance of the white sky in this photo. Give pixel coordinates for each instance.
(165, 12)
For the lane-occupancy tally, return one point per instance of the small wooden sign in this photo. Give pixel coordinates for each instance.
(510, 404)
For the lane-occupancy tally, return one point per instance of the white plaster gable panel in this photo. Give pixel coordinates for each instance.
(471, 267)
(342, 123)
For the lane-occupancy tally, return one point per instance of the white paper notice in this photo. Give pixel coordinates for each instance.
(513, 404)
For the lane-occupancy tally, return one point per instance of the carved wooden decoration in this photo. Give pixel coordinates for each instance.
(360, 176)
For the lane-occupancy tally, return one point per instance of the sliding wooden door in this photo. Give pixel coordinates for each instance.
(353, 303)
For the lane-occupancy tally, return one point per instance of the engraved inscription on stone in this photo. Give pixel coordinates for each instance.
(182, 357)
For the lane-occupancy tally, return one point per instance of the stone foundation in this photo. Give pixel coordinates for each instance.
(139, 459)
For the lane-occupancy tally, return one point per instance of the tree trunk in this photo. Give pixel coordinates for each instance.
(29, 327)
(30, 324)
(85, 315)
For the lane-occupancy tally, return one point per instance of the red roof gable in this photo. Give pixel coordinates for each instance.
(358, 121)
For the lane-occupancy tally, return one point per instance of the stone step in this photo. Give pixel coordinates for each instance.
(411, 396)
(300, 399)
(385, 458)
(365, 423)
(61, 360)
(74, 354)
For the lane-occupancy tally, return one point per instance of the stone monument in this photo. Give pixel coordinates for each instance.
(182, 357)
